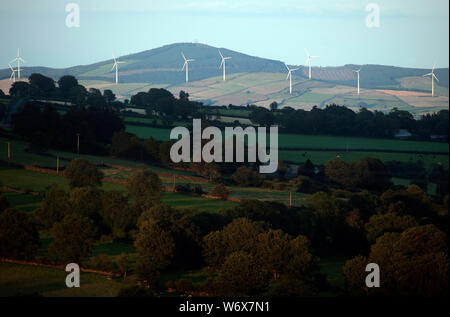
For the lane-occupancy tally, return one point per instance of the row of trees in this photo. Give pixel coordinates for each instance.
(66, 88)
(340, 120)
(46, 127)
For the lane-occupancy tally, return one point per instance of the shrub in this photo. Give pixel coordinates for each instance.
(221, 191)
(102, 262)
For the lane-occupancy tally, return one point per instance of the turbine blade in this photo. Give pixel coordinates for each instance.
(289, 74)
(435, 77)
(220, 54)
(184, 57)
(221, 64)
(184, 65)
(287, 67)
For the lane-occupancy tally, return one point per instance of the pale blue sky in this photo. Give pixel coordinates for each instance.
(412, 33)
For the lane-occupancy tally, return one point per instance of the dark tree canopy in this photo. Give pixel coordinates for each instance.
(19, 238)
(82, 173)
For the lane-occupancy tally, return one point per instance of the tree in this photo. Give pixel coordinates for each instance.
(355, 275)
(54, 207)
(66, 83)
(146, 187)
(372, 174)
(102, 262)
(245, 176)
(109, 95)
(240, 275)
(117, 215)
(81, 173)
(19, 238)
(73, 239)
(221, 191)
(154, 244)
(41, 86)
(239, 235)
(273, 106)
(185, 234)
(20, 89)
(390, 222)
(87, 202)
(273, 251)
(413, 263)
(340, 172)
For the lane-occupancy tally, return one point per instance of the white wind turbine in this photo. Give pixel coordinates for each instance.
(433, 77)
(186, 66)
(13, 73)
(116, 66)
(357, 71)
(308, 58)
(18, 59)
(223, 64)
(289, 75)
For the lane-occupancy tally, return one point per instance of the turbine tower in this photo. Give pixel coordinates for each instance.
(116, 65)
(308, 58)
(357, 71)
(13, 73)
(289, 75)
(186, 66)
(433, 77)
(223, 64)
(18, 59)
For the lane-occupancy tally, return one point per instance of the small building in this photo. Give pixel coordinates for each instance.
(403, 134)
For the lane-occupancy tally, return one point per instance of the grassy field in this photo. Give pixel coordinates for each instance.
(16, 279)
(321, 142)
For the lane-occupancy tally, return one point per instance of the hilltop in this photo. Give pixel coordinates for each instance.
(252, 79)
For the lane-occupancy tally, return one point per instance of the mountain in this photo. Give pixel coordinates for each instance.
(163, 66)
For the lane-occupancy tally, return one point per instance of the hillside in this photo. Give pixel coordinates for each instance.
(257, 80)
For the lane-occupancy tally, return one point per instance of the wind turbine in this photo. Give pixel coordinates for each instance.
(18, 59)
(186, 65)
(357, 71)
(308, 58)
(433, 77)
(116, 65)
(289, 75)
(223, 64)
(13, 73)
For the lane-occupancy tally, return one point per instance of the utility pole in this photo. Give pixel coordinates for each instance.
(78, 143)
(9, 151)
(174, 182)
(57, 164)
(290, 199)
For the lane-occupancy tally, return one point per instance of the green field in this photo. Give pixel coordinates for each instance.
(17, 279)
(321, 142)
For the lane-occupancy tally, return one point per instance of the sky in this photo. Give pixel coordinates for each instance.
(410, 33)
